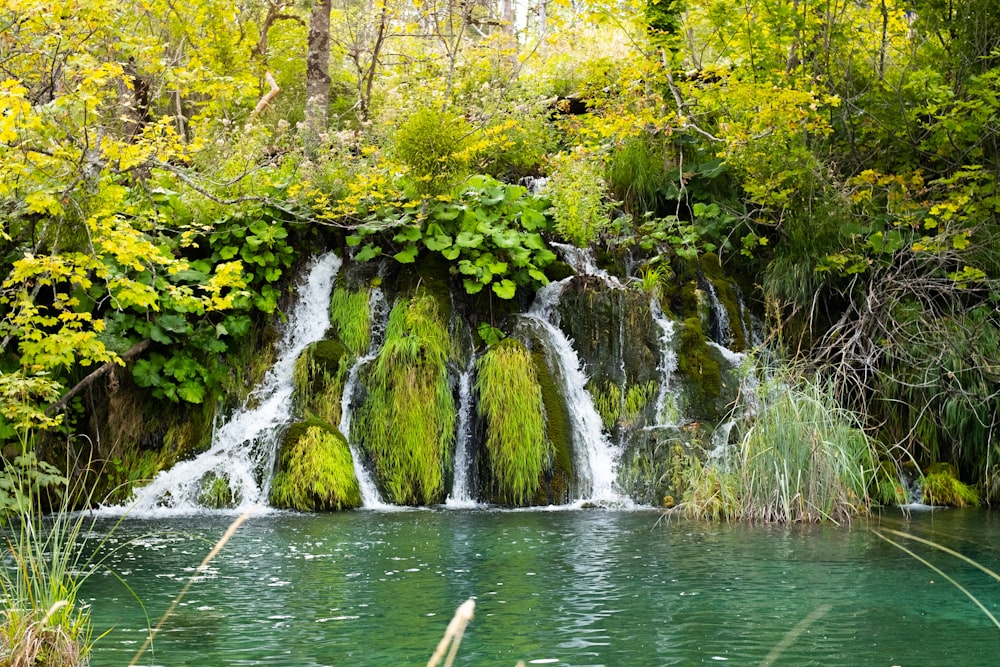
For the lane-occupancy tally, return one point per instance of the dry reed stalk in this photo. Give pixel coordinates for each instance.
(453, 634)
(201, 568)
(794, 634)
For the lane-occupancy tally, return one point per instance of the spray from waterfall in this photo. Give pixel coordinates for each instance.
(242, 454)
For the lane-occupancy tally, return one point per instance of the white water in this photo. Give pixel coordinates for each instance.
(595, 459)
(461, 492)
(666, 397)
(582, 262)
(243, 448)
(370, 497)
(723, 334)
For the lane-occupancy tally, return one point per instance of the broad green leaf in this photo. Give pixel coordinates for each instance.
(505, 289)
(468, 240)
(437, 243)
(407, 255)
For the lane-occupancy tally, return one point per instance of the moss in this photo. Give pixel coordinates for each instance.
(407, 422)
(559, 434)
(319, 377)
(699, 368)
(558, 270)
(942, 487)
(511, 408)
(350, 319)
(728, 298)
(315, 470)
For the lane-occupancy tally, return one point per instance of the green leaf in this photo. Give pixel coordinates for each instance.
(370, 251)
(473, 286)
(468, 240)
(173, 323)
(505, 289)
(191, 391)
(451, 254)
(407, 255)
(147, 373)
(437, 243)
(407, 234)
(159, 335)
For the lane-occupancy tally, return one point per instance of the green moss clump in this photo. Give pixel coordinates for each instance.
(319, 377)
(407, 423)
(558, 270)
(315, 471)
(698, 367)
(510, 404)
(619, 408)
(558, 432)
(350, 318)
(942, 487)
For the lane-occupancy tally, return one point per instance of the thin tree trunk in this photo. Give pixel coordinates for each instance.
(318, 71)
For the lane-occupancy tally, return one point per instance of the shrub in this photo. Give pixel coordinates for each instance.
(942, 487)
(431, 143)
(577, 191)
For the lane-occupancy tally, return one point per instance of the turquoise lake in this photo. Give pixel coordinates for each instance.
(569, 587)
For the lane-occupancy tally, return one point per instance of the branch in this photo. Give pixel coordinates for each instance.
(104, 369)
(270, 95)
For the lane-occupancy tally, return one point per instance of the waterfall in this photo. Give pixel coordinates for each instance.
(721, 331)
(595, 460)
(461, 492)
(666, 397)
(243, 449)
(377, 306)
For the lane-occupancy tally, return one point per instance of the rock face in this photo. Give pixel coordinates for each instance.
(660, 379)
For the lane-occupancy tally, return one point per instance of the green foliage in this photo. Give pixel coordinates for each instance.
(217, 493)
(942, 487)
(432, 142)
(622, 408)
(351, 319)
(510, 404)
(800, 459)
(637, 175)
(315, 472)
(491, 233)
(319, 377)
(406, 424)
(580, 207)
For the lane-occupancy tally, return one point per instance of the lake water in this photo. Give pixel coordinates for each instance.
(572, 587)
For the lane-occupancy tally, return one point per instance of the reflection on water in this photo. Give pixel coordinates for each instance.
(562, 588)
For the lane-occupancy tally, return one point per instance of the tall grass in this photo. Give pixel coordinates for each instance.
(44, 567)
(350, 317)
(407, 423)
(510, 403)
(800, 457)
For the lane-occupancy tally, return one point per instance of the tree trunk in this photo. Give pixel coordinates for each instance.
(318, 71)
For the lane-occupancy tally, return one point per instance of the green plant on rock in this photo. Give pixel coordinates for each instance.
(315, 471)
(319, 377)
(510, 404)
(407, 423)
(350, 318)
(614, 406)
(942, 487)
(697, 366)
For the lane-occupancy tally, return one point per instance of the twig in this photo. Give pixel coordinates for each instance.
(453, 634)
(270, 95)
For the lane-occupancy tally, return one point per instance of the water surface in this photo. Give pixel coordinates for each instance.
(559, 588)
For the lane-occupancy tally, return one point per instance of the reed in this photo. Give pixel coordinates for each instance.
(799, 458)
(510, 403)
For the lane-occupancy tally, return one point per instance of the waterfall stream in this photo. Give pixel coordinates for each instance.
(666, 396)
(243, 449)
(595, 459)
(461, 493)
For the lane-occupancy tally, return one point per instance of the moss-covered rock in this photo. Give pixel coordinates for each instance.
(559, 475)
(407, 421)
(315, 470)
(319, 377)
(942, 487)
(511, 411)
(699, 371)
(724, 319)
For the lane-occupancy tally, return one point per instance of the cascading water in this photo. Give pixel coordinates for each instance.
(370, 497)
(666, 397)
(721, 331)
(243, 448)
(595, 459)
(461, 492)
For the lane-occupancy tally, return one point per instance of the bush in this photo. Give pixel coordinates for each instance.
(577, 191)
(431, 143)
